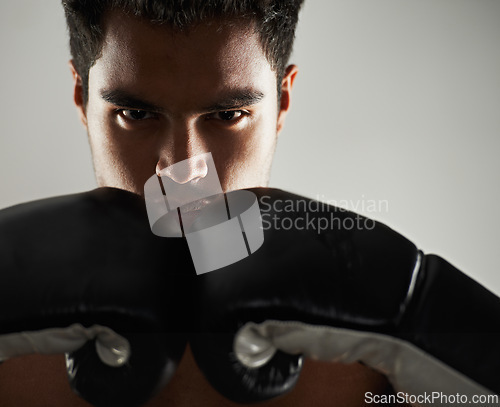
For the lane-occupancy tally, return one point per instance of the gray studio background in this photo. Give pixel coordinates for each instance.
(396, 114)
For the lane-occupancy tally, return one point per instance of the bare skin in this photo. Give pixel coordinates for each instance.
(41, 381)
(156, 98)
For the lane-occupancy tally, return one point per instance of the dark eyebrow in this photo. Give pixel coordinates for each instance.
(122, 98)
(230, 101)
(235, 100)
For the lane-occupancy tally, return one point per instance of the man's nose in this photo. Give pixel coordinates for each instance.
(188, 170)
(183, 146)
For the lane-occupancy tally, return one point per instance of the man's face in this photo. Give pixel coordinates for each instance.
(157, 97)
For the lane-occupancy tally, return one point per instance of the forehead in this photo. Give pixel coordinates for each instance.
(210, 57)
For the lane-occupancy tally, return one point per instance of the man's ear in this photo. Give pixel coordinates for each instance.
(286, 94)
(78, 93)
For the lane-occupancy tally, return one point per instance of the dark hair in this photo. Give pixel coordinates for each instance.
(275, 22)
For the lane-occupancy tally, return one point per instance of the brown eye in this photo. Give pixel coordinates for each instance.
(136, 115)
(229, 115)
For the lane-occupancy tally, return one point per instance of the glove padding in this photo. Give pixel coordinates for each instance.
(353, 291)
(83, 274)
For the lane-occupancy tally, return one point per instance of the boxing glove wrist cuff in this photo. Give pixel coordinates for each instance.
(408, 368)
(113, 349)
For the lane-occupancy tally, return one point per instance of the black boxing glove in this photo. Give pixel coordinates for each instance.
(332, 285)
(83, 275)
